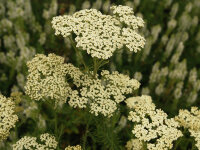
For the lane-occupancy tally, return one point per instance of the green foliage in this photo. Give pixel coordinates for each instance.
(24, 35)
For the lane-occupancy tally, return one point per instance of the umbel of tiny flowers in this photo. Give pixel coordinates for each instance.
(100, 35)
(7, 116)
(50, 78)
(101, 95)
(151, 124)
(134, 144)
(191, 120)
(29, 143)
(46, 78)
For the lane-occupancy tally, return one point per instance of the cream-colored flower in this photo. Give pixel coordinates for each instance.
(151, 124)
(196, 135)
(7, 116)
(134, 144)
(101, 95)
(125, 15)
(190, 119)
(50, 78)
(29, 143)
(46, 78)
(100, 35)
(77, 147)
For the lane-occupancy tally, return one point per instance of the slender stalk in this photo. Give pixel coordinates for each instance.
(56, 124)
(95, 67)
(78, 53)
(86, 134)
(98, 64)
(58, 132)
(144, 146)
(177, 144)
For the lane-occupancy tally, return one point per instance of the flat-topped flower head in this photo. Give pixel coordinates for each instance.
(100, 35)
(46, 78)
(101, 95)
(189, 119)
(47, 141)
(7, 116)
(122, 10)
(125, 15)
(196, 135)
(152, 125)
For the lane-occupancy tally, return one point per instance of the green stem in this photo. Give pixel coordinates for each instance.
(78, 53)
(193, 145)
(57, 132)
(177, 143)
(86, 134)
(56, 125)
(144, 146)
(175, 104)
(95, 67)
(102, 63)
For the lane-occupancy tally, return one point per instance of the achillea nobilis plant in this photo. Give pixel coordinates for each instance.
(91, 103)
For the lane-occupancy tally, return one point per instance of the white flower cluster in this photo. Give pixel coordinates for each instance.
(125, 15)
(196, 135)
(7, 117)
(29, 143)
(191, 120)
(134, 144)
(100, 35)
(101, 94)
(77, 147)
(151, 124)
(188, 119)
(46, 78)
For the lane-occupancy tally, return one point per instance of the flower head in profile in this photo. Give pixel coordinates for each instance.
(100, 35)
(7, 116)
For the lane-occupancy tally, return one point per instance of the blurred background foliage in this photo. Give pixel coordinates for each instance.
(168, 67)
